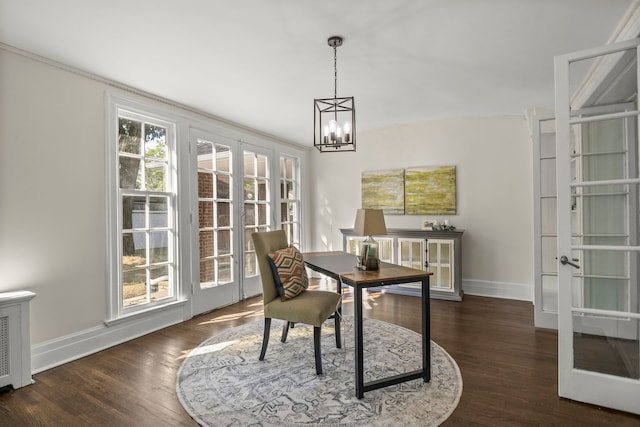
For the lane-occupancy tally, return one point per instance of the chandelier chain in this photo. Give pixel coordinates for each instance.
(335, 72)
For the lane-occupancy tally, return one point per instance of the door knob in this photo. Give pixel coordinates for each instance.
(564, 261)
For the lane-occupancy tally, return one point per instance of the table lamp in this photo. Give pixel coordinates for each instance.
(369, 222)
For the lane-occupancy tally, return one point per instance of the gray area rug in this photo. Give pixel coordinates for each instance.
(222, 382)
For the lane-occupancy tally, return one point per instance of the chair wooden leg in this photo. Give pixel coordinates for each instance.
(265, 337)
(316, 349)
(338, 337)
(285, 331)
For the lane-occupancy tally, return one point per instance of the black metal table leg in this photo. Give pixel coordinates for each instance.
(426, 331)
(357, 291)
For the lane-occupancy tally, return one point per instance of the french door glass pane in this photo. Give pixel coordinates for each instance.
(606, 353)
(223, 214)
(223, 243)
(262, 214)
(249, 214)
(249, 189)
(223, 159)
(223, 186)
(550, 293)
(206, 244)
(548, 177)
(549, 255)
(548, 215)
(225, 269)
(205, 213)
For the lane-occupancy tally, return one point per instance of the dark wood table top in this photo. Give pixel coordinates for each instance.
(342, 266)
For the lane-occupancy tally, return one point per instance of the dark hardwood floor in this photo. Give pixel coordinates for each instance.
(508, 367)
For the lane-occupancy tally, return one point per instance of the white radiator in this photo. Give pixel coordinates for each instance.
(15, 342)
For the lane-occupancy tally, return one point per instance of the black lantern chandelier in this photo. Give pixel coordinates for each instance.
(334, 119)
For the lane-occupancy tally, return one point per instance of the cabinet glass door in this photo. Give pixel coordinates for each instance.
(385, 247)
(411, 253)
(440, 256)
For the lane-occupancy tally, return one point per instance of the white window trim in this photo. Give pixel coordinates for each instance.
(115, 311)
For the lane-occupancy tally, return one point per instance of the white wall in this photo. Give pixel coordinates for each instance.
(52, 194)
(495, 204)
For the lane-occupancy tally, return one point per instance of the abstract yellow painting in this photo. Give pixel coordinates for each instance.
(430, 190)
(384, 190)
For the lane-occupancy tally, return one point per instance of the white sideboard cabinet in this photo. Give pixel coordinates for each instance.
(439, 252)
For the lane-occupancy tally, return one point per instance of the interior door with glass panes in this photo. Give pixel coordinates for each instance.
(215, 257)
(598, 240)
(545, 223)
(257, 214)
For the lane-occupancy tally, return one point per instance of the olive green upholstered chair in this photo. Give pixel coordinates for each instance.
(311, 307)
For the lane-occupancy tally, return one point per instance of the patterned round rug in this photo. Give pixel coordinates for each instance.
(222, 382)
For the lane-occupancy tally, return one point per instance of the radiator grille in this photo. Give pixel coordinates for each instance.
(4, 346)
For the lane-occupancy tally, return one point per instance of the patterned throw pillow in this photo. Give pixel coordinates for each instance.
(289, 273)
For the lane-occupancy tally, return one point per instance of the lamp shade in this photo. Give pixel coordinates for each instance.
(369, 222)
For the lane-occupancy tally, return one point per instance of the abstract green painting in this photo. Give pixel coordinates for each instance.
(384, 190)
(430, 190)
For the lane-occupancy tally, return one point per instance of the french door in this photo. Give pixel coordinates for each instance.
(215, 257)
(597, 226)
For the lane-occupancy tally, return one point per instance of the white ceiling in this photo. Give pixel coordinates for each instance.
(260, 63)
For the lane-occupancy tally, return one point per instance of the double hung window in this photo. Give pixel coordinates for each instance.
(143, 270)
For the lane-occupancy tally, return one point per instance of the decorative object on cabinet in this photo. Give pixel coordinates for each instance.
(438, 251)
(430, 190)
(334, 119)
(384, 190)
(369, 222)
(428, 224)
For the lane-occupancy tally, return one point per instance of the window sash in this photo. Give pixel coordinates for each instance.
(143, 272)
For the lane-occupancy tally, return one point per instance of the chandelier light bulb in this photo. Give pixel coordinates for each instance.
(347, 131)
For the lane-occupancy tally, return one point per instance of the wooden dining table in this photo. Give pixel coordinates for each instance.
(341, 266)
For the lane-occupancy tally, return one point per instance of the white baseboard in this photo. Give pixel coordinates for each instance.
(49, 354)
(483, 288)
